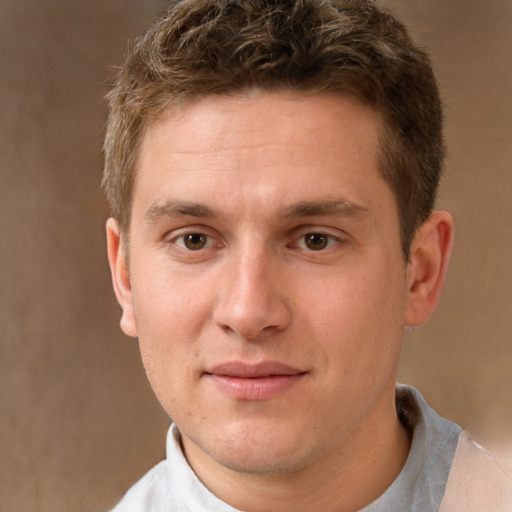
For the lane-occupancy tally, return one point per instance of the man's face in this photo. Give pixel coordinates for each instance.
(266, 280)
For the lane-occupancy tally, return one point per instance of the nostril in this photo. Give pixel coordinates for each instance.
(250, 301)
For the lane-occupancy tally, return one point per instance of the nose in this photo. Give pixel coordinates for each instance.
(252, 299)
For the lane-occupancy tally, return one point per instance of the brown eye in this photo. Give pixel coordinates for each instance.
(195, 241)
(316, 241)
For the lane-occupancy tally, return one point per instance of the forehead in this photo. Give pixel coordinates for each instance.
(253, 109)
(280, 144)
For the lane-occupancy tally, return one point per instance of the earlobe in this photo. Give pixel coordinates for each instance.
(429, 256)
(120, 277)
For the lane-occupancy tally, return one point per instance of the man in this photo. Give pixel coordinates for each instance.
(272, 168)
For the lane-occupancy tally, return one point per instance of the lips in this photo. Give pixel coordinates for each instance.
(253, 382)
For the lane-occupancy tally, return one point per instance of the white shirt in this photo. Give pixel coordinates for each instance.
(440, 452)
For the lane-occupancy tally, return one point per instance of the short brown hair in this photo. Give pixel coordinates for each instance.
(355, 47)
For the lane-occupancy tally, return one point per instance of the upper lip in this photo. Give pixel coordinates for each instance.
(248, 371)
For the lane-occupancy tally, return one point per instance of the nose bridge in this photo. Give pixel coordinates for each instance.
(250, 299)
(251, 269)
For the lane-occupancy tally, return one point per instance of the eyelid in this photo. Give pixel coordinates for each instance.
(332, 241)
(335, 235)
(179, 234)
(179, 241)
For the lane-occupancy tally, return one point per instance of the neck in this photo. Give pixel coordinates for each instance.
(344, 480)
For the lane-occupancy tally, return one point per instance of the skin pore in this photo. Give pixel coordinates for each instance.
(269, 293)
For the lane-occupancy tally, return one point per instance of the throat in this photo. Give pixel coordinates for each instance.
(339, 482)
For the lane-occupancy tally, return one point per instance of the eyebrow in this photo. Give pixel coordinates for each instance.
(171, 208)
(325, 207)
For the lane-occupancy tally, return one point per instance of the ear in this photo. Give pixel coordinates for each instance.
(429, 256)
(120, 277)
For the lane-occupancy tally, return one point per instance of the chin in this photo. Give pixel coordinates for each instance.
(262, 464)
(261, 453)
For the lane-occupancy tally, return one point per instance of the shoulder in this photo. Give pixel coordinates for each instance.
(146, 494)
(478, 481)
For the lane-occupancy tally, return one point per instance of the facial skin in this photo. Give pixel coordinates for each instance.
(269, 293)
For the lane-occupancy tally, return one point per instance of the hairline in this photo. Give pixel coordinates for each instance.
(175, 105)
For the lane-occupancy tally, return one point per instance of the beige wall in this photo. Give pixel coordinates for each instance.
(462, 359)
(78, 423)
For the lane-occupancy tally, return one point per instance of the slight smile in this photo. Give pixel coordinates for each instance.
(253, 382)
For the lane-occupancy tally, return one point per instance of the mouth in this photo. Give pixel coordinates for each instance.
(254, 382)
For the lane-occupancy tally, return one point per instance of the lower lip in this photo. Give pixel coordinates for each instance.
(260, 388)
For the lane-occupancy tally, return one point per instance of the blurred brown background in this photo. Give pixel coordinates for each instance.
(78, 422)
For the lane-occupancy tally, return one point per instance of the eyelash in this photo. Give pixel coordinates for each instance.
(205, 241)
(209, 240)
(322, 237)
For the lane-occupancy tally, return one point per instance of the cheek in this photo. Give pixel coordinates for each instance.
(361, 322)
(169, 305)
(170, 315)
